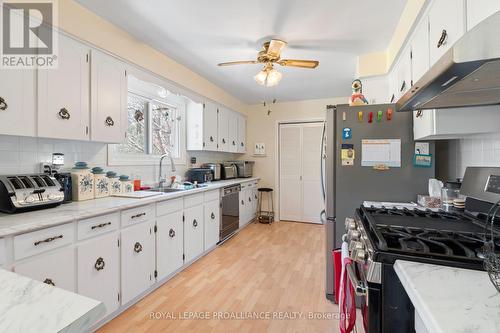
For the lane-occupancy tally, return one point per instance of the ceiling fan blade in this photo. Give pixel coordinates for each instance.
(299, 63)
(243, 62)
(275, 47)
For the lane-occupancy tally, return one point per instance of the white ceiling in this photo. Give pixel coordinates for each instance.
(201, 33)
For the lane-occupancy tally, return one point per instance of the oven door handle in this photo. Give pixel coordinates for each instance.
(359, 287)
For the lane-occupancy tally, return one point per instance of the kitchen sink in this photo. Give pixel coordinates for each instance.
(168, 190)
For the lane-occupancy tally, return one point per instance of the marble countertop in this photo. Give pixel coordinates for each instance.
(11, 224)
(27, 305)
(451, 300)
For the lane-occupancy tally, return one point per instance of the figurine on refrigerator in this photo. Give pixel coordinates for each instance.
(357, 97)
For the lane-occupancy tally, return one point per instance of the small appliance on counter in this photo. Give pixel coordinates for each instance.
(64, 178)
(216, 169)
(21, 193)
(199, 175)
(229, 170)
(244, 168)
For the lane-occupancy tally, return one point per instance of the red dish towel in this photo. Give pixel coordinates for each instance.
(347, 299)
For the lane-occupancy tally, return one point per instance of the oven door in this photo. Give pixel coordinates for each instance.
(368, 297)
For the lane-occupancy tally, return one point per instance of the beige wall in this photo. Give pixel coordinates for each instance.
(263, 128)
(84, 24)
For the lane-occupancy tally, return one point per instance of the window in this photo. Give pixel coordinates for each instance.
(155, 126)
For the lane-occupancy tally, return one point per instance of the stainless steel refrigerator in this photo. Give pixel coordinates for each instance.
(346, 183)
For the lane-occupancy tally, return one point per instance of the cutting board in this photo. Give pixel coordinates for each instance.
(138, 194)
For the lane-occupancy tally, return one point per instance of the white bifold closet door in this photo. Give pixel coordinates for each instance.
(300, 160)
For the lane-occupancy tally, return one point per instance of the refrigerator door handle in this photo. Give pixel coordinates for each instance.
(322, 161)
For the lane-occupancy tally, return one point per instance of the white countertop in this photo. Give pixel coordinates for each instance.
(451, 300)
(27, 305)
(11, 224)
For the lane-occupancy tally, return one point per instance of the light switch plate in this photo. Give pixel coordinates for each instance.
(259, 149)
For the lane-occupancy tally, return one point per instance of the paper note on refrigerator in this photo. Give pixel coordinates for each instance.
(381, 152)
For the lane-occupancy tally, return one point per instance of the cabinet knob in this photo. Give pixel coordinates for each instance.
(234, 143)
(249, 199)
(99, 264)
(64, 114)
(171, 233)
(242, 202)
(223, 140)
(242, 144)
(110, 121)
(403, 86)
(442, 39)
(419, 114)
(137, 247)
(195, 223)
(211, 139)
(3, 104)
(49, 281)
(212, 216)
(255, 197)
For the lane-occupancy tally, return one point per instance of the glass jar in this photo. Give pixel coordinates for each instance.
(449, 193)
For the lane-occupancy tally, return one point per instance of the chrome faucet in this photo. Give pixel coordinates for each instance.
(162, 180)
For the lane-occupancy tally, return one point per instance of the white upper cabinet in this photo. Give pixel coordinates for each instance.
(210, 126)
(108, 98)
(233, 132)
(404, 71)
(420, 50)
(223, 129)
(478, 10)
(17, 102)
(242, 132)
(63, 93)
(446, 26)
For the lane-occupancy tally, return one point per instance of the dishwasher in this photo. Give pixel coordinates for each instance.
(230, 220)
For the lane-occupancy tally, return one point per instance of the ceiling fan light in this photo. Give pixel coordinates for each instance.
(261, 77)
(273, 78)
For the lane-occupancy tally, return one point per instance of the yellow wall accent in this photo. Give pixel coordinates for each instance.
(86, 25)
(380, 63)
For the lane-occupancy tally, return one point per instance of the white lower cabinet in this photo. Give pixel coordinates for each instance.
(212, 223)
(248, 203)
(99, 270)
(169, 244)
(138, 260)
(193, 232)
(56, 268)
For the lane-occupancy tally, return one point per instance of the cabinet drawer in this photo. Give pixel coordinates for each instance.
(137, 215)
(98, 225)
(56, 269)
(212, 195)
(169, 206)
(193, 200)
(36, 242)
(2, 251)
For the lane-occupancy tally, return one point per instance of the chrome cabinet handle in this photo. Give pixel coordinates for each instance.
(99, 264)
(171, 233)
(3, 104)
(64, 114)
(137, 247)
(195, 223)
(109, 121)
(101, 225)
(359, 287)
(48, 240)
(49, 282)
(442, 39)
(212, 216)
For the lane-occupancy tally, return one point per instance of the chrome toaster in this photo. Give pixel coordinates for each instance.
(20, 193)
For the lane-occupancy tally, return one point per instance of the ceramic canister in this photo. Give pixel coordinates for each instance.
(101, 183)
(127, 186)
(82, 182)
(115, 186)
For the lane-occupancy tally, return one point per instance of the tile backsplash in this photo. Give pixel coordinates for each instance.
(24, 155)
(454, 156)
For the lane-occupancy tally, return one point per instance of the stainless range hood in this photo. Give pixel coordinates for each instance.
(468, 74)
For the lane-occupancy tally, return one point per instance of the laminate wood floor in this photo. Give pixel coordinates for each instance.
(262, 273)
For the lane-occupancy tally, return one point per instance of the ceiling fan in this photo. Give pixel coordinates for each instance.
(270, 55)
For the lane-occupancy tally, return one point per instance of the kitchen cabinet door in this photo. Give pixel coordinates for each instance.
(250, 204)
(446, 26)
(478, 10)
(223, 127)
(137, 261)
(17, 102)
(393, 82)
(244, 208)
(63, 94)
(210, 126)
(169, 244)
(99, 270)
(420, 50)
(212, 223)
(242, 134)
(193, 232)
(404, 81)
(56, 269)
(255, 205)
(108, 98)
(233, 132)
